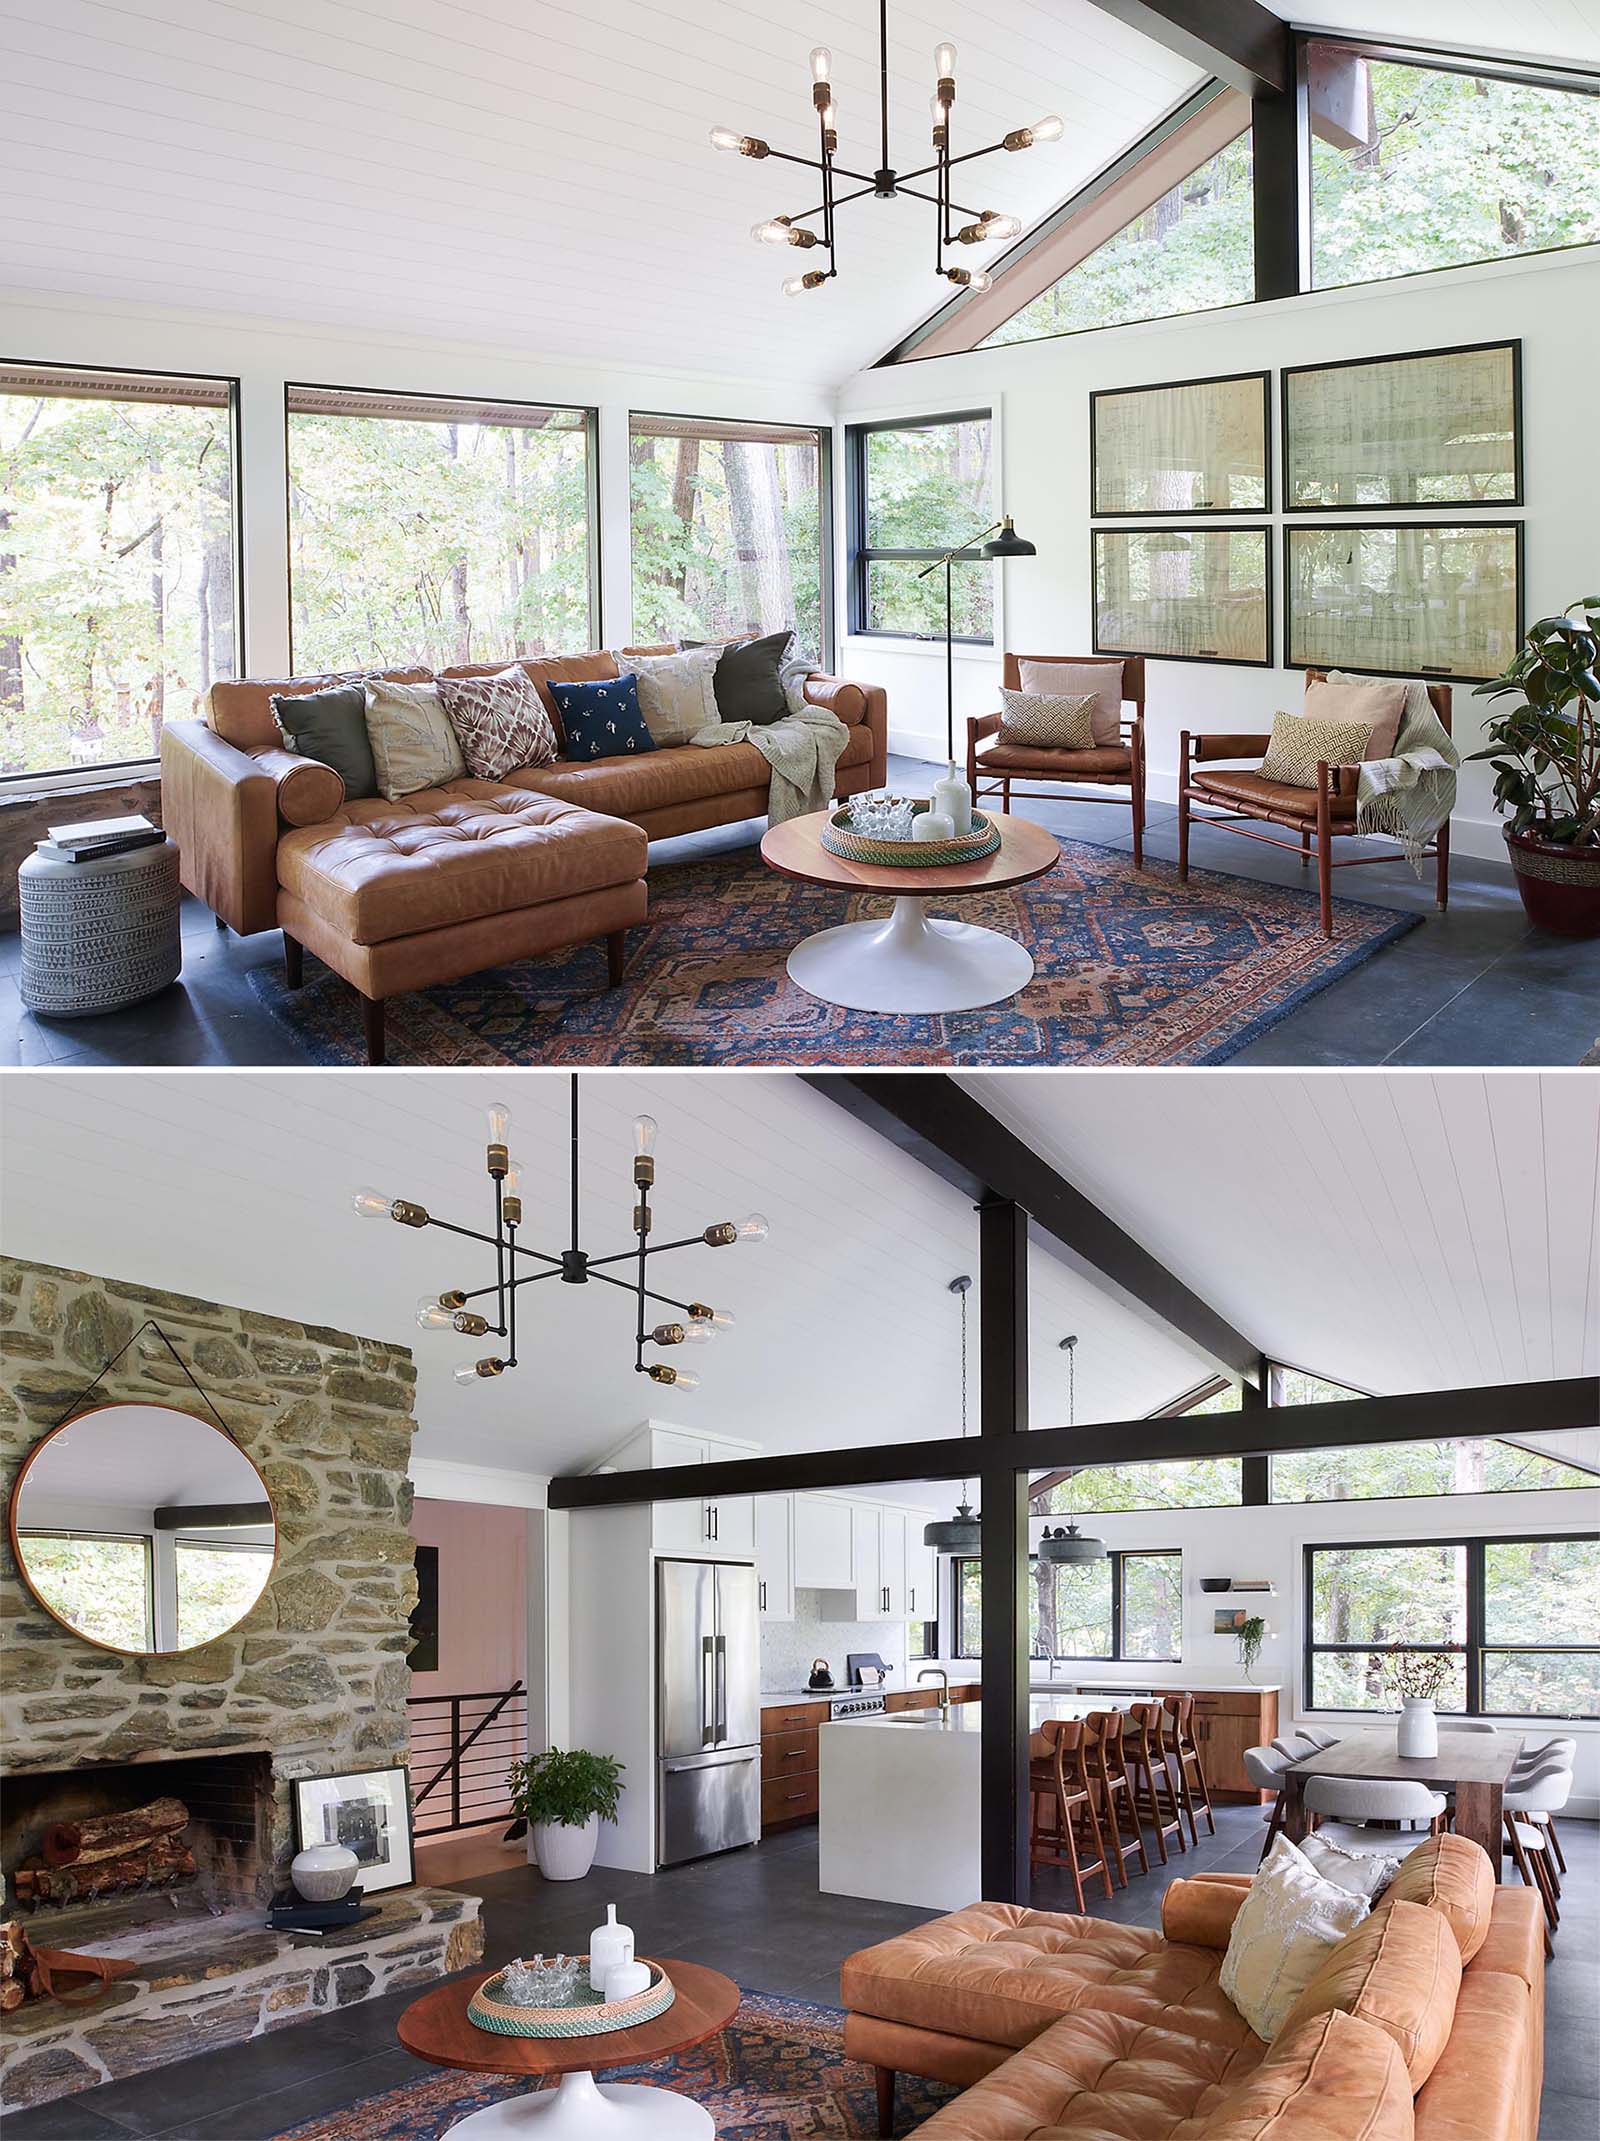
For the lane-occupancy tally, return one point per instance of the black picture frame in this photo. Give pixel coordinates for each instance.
(1289, 372)
(364, 1830)
(424, 1653)
(1228, 661)
(1294, 660)
(1165, 513)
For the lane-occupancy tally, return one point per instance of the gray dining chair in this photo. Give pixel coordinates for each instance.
(1465, 1724)
(1529, 1804)
(1264, 1766)
(1347, 1808)
(1303, 1740)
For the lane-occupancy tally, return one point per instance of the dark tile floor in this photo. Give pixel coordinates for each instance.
(1473, 986)
(758, 1915)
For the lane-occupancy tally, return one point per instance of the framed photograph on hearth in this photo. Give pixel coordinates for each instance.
(1408, 598)
(366, 1810)
(1184, 594)
(1191, 446)
(1435, 427)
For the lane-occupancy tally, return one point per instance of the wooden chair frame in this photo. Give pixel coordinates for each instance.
(1061, 1784)
(1318, 823)
(1185, 1750)
(1004, 785)
(1145, 1753)
(1116, 1789)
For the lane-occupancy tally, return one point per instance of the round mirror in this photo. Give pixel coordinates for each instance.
(142, 1528)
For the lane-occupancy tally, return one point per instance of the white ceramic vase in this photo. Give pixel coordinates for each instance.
(564, 1853)
(322, 1873)
(610, 1948)
(1417, 1735)
(953, 798)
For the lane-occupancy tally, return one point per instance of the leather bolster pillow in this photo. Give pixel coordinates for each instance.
(845, 701)
(308, 791)
(1200, 1913)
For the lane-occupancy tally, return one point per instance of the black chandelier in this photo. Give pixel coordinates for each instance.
(695, 1322)
(885, 183)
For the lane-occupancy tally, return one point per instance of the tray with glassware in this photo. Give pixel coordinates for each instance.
(885, 830)
(552, 1996)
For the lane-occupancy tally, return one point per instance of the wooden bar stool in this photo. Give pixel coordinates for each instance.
(1185, 1751)
(1059, 1776)
(1114, 1789)
(1144, 1742)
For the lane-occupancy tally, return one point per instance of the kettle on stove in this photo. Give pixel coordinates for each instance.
(821, 1674)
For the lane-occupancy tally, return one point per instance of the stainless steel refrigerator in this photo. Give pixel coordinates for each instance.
(708, 1709)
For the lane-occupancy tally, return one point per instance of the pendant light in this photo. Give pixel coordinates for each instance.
(962, 1533)
(1066, 1542)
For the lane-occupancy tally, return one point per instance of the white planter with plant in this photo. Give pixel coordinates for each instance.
(564, 1796)
(1419, 1678)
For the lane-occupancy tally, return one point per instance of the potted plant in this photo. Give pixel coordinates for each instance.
(1546, 758)
(1419, 1678)
(1250, 1635)
(564, 1797)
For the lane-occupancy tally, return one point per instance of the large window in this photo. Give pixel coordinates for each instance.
(1128, 1606)
(118, 561)
(1466, 1465)
(217, 1584)
(98, 1582)
(917, 487)
(1514, 1616)
(437, 532)
(1190, 251)
(1434, 167)
(729, 530)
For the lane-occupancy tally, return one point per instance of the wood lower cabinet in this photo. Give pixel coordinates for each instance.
(1225, 1724)
(789, 1759)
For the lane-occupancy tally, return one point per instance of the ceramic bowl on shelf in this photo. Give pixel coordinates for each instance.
(1215, 1583)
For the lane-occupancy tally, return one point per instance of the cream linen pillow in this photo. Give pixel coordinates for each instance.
(1103, 679)
(1286, 1925)
(676, 691)
(1044, 722)
(1361, 1873)
(413, 744)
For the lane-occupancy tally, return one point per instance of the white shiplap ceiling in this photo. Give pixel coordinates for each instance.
(1559, 30)
(1410, 1232)
(236, 1186)
(526, 173)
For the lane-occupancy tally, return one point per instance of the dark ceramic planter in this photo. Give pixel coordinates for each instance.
(1560, 886)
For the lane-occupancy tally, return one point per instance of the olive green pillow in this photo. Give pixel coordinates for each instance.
(331, 727)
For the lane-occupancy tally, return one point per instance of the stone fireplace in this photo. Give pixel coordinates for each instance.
(313, 1680)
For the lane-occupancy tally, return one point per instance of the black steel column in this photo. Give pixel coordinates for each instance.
(1280, 147)
(1003, 1410)
(1255, 1473)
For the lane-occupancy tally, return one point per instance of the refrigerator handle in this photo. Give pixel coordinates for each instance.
(708, 1726)
(722, 1688)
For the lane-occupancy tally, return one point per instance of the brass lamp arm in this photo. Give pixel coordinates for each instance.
(960, 548)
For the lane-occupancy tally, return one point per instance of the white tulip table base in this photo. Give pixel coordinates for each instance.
(913, 962)
(583, 2109)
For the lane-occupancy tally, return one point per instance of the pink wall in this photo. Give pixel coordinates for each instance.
(483, 1613)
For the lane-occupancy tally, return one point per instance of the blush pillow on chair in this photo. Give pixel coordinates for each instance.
(1288, 1924)
(1045, 722)
(500, 722)
(1298, 743)
(1103, 679)
(1379, 705)
(602, 720)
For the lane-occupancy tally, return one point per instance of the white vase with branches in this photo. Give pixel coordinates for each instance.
(1418, 1678)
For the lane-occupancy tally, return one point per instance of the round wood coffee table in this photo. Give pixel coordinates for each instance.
(436, 2028)
(912, 961)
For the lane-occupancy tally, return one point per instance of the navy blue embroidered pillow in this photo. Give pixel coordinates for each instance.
(602, 720)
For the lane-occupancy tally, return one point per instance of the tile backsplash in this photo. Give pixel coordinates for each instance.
(788, 1647)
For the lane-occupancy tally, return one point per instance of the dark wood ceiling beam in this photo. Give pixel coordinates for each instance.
(953, 1136)
(1240, 42)
(1263, 1431)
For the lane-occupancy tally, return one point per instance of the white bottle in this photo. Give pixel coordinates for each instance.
(610, 1948)
(952, 796)
(933, 825)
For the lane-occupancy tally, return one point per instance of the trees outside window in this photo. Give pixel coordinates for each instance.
(118, 580)
(729, 530)
(436, 533)
(1130, 1605)
(217, 1585)
(917, 487)
(1514, 1616)
(1454, 167)
(99, 1582)
(1191, 251)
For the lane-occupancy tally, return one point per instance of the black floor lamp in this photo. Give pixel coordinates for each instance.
(1006, 543)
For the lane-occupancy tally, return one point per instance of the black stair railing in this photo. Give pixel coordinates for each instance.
(462, 1747)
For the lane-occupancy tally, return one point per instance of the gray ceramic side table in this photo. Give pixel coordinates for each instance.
(99, 935)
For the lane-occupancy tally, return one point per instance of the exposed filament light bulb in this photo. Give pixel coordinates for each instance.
(432, 1315)
(644, 1135)
(821, 63)
(685, 1379)
(1049, 128)
(697, 1332)
(479, 1370)
(797, 284)
(728, 139)
(753, 1228)
(372, 1204)
(498, 1117)
(775, 231)
(1001, 226)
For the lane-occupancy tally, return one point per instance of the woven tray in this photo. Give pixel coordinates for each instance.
(838, 839)
(585, 2015)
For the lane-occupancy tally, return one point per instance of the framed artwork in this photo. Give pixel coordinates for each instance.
(1436, 427)
(1184, 594)
(368, 1811)
(1408, 598)
(1228, 1620)
(424, 1653)
(1193, 446)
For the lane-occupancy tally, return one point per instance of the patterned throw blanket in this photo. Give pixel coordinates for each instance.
(1409, 796)
(802, 750)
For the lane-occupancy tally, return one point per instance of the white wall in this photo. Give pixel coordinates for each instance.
(1040, 391)
(1269, 1542)
(263, 356)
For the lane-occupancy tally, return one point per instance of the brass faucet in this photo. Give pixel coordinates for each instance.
(938, 1672)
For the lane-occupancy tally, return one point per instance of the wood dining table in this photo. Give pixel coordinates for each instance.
(1473, 1765)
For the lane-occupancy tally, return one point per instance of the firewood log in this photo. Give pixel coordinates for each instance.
(112, 1836)
(161, 1865)
(12, 1994)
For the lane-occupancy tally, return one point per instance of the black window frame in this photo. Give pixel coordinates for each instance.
(861, 555)
(1118, 1556)
(1472, 1649)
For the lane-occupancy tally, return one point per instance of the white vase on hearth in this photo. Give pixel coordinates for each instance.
(322, 1873)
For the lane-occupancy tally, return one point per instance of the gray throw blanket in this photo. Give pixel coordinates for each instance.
(802, 750)
(1411, 795)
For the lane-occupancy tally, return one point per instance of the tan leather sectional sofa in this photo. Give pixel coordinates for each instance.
(1426, 2023)
(451, 880)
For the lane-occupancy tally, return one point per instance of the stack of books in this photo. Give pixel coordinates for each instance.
(290, 1913)
(99, 836)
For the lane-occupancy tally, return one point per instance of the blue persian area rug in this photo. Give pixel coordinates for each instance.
(1130, 968)
(776, 2073)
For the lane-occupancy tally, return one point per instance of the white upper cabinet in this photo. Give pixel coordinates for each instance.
(866, 1561)
(775, 1556)
(721, 1527)
(922, 1572)
(824, 1550)
(892, 1561)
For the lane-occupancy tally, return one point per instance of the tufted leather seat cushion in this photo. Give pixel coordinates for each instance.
(999, 1973)
(1238, 784)
(378, 870)
(1064, 765)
